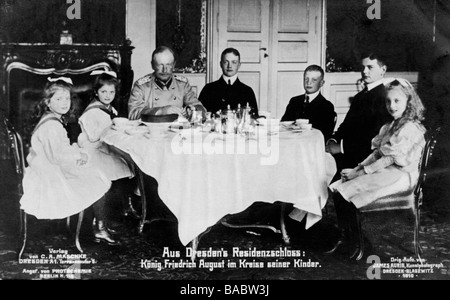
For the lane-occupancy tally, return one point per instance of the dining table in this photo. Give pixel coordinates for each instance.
(203, 176)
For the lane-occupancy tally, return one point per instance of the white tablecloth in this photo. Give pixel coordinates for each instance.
(201, 180)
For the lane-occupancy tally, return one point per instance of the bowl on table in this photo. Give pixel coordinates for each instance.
(158, 125)
(147, 118)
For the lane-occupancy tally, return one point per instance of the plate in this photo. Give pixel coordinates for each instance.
(187, 131)
(293, 127)
(123, 127)
(287, 123)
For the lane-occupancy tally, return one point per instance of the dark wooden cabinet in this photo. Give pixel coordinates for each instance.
(26, 67)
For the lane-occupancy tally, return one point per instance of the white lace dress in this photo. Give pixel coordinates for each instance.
(54, 186)
(393, 166)
(93, 123)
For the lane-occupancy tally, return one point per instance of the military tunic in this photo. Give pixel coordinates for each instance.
(147, 93)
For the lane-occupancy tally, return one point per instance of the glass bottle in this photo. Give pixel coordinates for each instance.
(230, 120)
(209, 124)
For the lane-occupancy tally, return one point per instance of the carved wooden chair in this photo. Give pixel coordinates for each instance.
(17, 148)
(408, 201)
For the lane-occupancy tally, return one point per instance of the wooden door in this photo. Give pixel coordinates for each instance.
(296, 42)
(244, 25)
(277, 40)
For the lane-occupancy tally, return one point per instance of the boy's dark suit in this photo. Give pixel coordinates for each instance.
(362, 123)
(320, 113)
(218, 95)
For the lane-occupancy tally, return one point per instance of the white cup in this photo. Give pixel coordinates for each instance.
(120, 122)
(262, 121)
(302, 121)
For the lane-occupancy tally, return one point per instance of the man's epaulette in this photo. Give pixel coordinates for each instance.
(180, 78)
(144, 79)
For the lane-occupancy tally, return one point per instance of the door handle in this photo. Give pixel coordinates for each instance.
(265, 53)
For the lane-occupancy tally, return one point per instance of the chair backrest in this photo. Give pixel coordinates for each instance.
(426, 154)
(16, 145)
(335, 121)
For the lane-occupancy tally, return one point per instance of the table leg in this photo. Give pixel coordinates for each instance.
(158, 211)
(286, 238)
(143, 199)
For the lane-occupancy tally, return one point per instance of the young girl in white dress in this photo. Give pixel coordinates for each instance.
(96, 118)
(59, 180)
(393, 166)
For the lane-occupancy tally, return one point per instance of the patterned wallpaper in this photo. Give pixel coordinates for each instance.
(42, 21)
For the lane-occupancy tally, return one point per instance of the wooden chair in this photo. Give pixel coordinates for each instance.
(17, 148)
(408, 201)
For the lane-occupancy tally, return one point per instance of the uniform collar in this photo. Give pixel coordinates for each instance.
(232, 78)
(373, 85)
(162, 84)
(313, 96)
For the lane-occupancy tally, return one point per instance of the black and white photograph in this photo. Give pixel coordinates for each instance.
(224, 147)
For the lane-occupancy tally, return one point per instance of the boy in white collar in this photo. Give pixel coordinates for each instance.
(351, 143)
(312, 105)
(228, 90)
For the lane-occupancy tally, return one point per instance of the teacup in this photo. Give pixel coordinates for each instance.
(262, 121)
(302, 121)
(120, 122)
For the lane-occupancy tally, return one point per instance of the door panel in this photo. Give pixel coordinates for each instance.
(296, 43)
(244, 25)
(295, 16)
(244, 16)
(249, 50)
(289, 84)
(292, 52)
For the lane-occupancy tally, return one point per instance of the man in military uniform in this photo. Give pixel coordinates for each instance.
(161, 92)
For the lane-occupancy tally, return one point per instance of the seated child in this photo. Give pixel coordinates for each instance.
(59, 181)
(96, 118)
(393, 166)
(312, 105)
